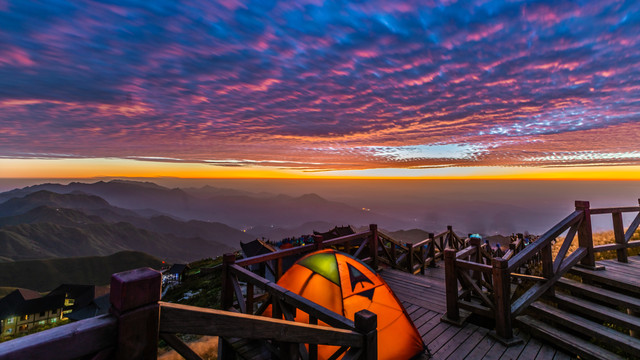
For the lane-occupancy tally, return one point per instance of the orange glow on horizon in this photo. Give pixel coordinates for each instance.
(113, 168)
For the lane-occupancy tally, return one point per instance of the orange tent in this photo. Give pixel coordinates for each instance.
(345, 285)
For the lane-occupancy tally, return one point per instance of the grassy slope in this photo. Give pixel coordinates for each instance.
(600, 238)
(44, 275)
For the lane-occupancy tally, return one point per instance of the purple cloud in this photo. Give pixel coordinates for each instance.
(321, 84)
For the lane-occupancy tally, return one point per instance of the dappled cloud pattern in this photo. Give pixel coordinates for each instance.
(322, 85)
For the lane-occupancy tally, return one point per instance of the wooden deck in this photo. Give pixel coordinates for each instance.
(625, 276)
(424, 299)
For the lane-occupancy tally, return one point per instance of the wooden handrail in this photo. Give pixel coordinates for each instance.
(539, 288)
(184, 319)
(78, 339)
(275, 255)
(466, 252)
(346, 238)
(608, 247)
(544, 240)
(470, 265)
(299, 249)
(632, 228)
(293, 299)
(423, 242)
(441, 234)
(614, 210)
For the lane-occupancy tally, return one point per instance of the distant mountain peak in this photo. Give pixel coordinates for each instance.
(311, 197)
(147, 184)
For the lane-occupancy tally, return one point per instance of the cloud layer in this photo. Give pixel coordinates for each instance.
(322, 84)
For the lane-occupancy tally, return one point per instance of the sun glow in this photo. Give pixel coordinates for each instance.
(113, 167)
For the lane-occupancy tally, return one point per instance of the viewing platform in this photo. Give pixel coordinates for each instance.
(447, 341)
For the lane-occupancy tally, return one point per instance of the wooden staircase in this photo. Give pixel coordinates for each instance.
(592, 318)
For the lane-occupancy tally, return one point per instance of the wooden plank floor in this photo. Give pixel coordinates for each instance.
(622, 275)
(424, 299)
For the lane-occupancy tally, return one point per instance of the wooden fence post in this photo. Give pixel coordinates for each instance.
(373, 246)
(394, 256)
(432, 251)
(547, 266)
(134, 300)
(476, 243)
(449, 238)
(618, 232)
(226, 294)
(366, 323)
(502, 301)
(422, 260)
(410, 258)
(451, 287)
(225, 350)
(585, 236)
(317, 240)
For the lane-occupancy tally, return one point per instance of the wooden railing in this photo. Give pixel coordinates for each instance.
(482, 284)
(373, 247)
(353, 338)
(622, 238)
(138, 318)
(252, 293)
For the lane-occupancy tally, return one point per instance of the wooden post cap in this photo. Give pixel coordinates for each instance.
(365, 321)
(135, 288)
(229, 258)
(499, 263)
(582, 204)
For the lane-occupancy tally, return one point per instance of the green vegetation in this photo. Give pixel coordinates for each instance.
(600, 238)
(201, 287)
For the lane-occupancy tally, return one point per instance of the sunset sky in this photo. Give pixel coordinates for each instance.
(260, 88)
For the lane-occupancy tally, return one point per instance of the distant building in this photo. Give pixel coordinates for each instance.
(255, 248)
(75, 296)
(177, 272)
(24, 309)
(97, 306)
(336, 232)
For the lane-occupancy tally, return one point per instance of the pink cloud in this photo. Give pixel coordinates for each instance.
(15, 56)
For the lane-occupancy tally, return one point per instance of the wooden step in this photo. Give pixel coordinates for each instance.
(564, 340)
(623, 282)
(249, 349)
(601, 312)
(577, 323)
(596, 293)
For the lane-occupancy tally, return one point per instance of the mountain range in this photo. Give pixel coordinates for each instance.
(238, 209)
(44, 224)
(44, 275)
(82, 219)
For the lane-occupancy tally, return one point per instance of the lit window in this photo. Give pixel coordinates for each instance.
(69, 302)
(54, 320)
(42, 322)
(9, 331)
(25, 317)
(10, 320)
